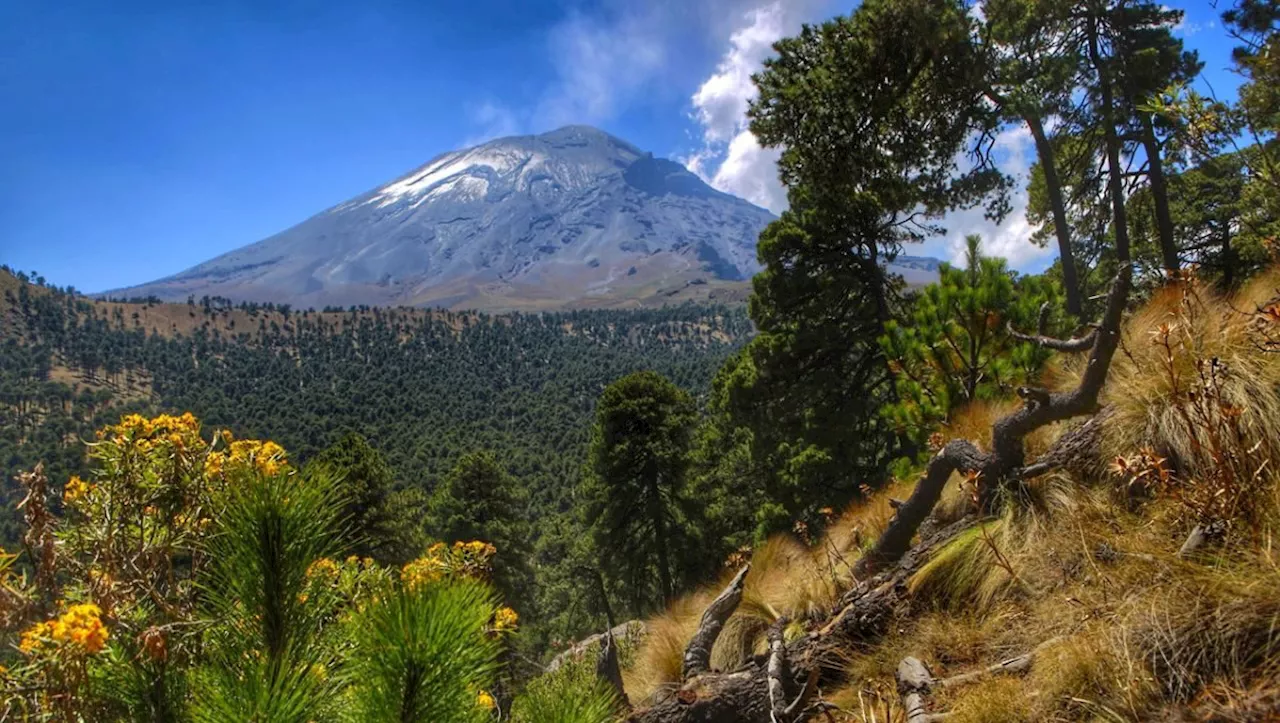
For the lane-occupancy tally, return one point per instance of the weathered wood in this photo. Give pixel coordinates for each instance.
(862, 616)
(629, 630)
(697, 655)
(1019, 664)
(607, 668)
(914, 680)
(1200, 535)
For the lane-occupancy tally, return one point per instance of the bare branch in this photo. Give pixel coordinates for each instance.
(697, 655)
(958, 455)
(914, 680)
(607, 668)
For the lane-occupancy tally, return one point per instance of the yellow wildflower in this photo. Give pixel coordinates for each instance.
(505, 619)
(324, 567)
(75, 490)
(486, 701)
(213, 464)
(81, 625)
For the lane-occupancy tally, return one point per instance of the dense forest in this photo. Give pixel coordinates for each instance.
(428, 388)
(1002, 497)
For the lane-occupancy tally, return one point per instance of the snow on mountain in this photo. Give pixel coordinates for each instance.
(570, 218)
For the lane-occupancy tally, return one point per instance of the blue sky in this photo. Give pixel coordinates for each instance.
(140, 138)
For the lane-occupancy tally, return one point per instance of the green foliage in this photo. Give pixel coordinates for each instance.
(478, 500)
(955, 346)
(424, 387)
(423, 654)
(871, 112)
(262, 647)
(634, 496)
(366, 483)
(572, 694)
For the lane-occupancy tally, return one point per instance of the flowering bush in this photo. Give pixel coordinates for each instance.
(190, 568)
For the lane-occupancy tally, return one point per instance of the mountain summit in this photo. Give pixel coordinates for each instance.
(570, 218)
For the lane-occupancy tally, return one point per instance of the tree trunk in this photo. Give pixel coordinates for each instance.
(1160, 194)
(660, 543)
(1115, 172)
(1228, 259)
(1053, 186)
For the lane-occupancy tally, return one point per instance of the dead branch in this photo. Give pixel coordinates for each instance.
(776, 673)
(1020, 664)
(1042, 339)
(607, 668)
(1009, 433)
(914, 680)
(697, 655)
(742, 696)
(1199, 536)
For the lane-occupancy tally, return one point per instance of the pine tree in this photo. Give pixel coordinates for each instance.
(955, 347)
(634, 488)
(478, 500)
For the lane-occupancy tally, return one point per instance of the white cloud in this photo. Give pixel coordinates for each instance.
(729, 156)
(751, 172)
(1014, 150)
(492, 120)
(602, 63)
(1185, 27)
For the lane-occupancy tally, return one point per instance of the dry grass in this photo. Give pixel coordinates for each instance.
(1143, 632)
(1223, 629)
(1148, 385)
(997, 701)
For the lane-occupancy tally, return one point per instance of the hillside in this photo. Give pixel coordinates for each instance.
(428, 386)
(1135, 580)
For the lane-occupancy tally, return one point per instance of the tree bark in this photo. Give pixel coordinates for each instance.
(1053, 187)
(1115, 172)
(660, 541)
(697, 654)
(1160, 195)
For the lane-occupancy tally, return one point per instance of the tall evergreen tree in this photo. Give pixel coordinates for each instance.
(634, 496)
(872, 112)
(365, 481)
(479, 500)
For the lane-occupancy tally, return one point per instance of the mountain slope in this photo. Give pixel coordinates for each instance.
(574, 217)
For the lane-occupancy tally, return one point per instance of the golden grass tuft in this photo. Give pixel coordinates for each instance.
(979, 567)
(1146, 382)
(1221, 627)
(999, 700)
(1087, 673)
(660, 655)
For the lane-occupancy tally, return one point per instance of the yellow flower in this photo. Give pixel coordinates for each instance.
(486, 701)
(214, 463)
(324, 567)
(505, 619)
(81, 626)
(75, 490)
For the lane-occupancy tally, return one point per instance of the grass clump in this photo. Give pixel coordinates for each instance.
(972, 571)
(1221, 628)
(1000, 700)
(572, 694)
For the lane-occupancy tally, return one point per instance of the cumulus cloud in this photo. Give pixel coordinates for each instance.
(1014, 151)
(729, 157)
